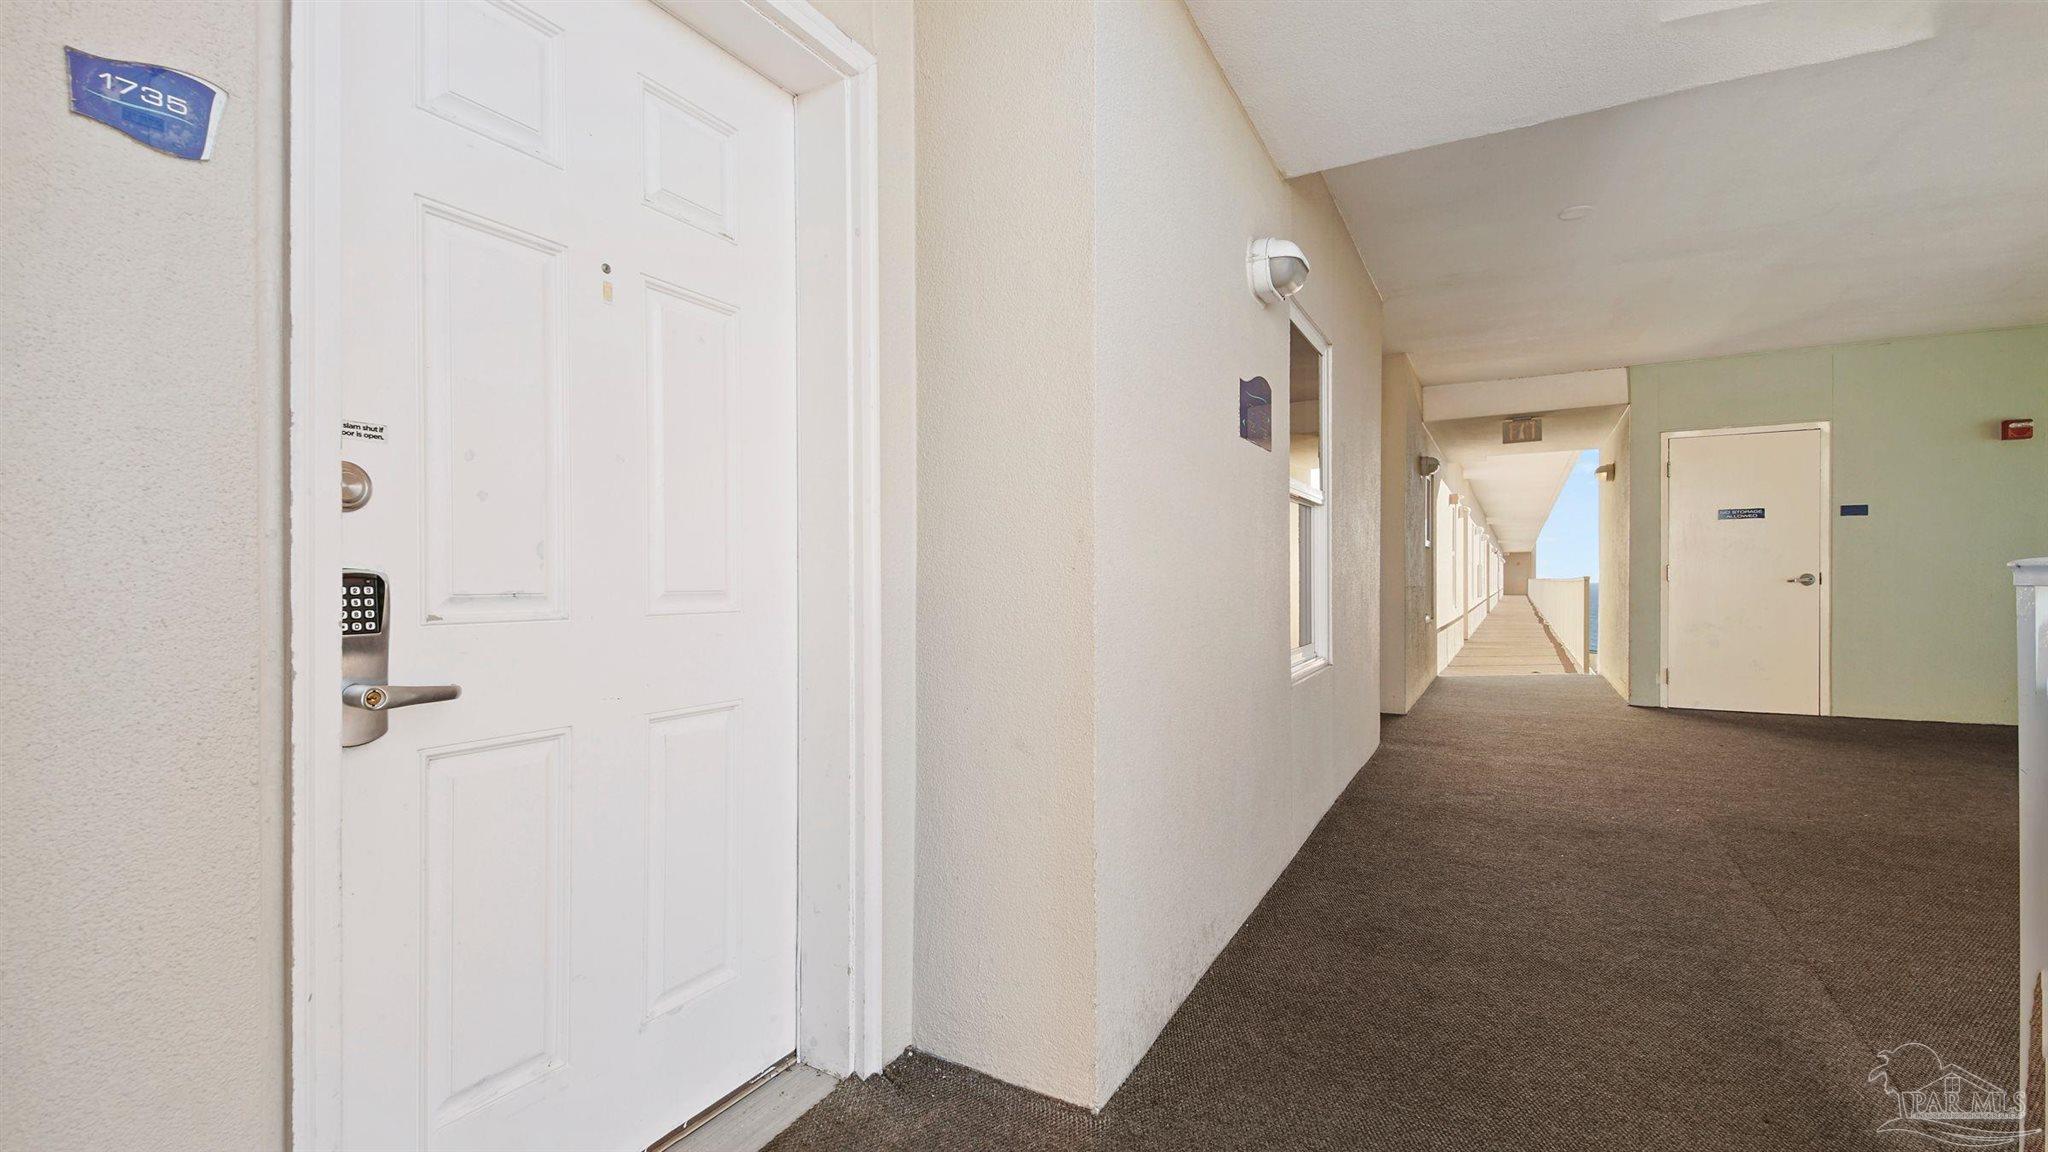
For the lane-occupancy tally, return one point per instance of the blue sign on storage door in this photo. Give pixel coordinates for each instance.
(162, 107)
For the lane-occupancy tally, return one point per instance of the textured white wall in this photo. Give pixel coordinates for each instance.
(142, 883)
(1516, 574)
(1408, 643)
(1450, 560)
(1006, 541)
(1114, 765)
(1614, 553)
(1211, 768)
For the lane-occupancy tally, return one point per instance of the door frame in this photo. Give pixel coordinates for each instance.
(839, 762)
(1827, 550)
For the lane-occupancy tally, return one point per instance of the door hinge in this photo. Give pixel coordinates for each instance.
(1667, 676)
(1667, 469)
(1667, 573)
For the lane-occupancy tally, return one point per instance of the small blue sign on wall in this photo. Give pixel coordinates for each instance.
(1855, 509)
(166, 109)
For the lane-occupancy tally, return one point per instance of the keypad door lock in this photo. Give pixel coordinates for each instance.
(366, 698)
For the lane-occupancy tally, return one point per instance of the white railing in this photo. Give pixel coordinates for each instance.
(2030, 580)
(1562, 606)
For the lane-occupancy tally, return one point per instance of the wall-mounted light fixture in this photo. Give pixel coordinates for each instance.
(1277, 269)
(1426, 467)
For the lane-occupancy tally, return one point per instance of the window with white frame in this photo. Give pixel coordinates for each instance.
(1308, 494)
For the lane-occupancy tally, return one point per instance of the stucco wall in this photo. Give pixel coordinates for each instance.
(1613, 659)
(1922, 601)
(1115, 764)
(1408, 654)
(142, 876)
(1006, 541)
(1211, 768)
(1517, 569)
(1450, 617)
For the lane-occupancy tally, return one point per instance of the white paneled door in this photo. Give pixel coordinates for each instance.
(567, 914)
(1745, 609)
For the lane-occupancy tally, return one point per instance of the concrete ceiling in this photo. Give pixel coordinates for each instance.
(1602, 387)
(1333, 84)
(1518, 493)
(1887, 191)
(1476, 439)
(1518, 484)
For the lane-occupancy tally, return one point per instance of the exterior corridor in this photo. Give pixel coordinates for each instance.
(1540, 919)
(1511, 642)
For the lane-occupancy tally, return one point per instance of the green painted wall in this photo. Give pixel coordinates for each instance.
(1922, 599)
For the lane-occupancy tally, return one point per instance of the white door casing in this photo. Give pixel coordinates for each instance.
(1745, 618)
(512, 912)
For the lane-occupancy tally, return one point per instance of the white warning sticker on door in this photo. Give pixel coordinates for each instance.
(357, 430)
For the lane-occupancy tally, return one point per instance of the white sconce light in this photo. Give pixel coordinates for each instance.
(1277, 268)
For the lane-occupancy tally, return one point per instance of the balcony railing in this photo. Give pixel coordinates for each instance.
(1562, 606)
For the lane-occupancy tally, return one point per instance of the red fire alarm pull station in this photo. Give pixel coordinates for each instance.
(2016, 429)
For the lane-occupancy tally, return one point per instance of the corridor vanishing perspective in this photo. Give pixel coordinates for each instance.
(1511, 641)
(703, 575)
(1541, 919)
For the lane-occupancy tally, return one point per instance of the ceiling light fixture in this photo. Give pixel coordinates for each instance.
(1576, 212)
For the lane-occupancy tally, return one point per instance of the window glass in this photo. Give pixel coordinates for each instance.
(1304, 412)
(1305, 562)
(1308, 513)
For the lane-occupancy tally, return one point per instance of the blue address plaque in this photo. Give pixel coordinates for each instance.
(169, 110)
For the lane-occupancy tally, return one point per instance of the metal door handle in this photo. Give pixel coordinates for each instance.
(1804, 579)
(384, 697)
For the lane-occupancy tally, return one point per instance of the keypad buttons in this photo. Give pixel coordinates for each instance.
(362, 603)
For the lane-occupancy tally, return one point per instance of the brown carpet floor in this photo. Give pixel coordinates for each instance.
(1540, 919)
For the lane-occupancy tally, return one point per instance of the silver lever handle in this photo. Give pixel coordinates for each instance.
(383, 697)
(1804, 579)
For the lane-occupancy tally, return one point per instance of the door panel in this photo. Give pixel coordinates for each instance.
(491, 303)
(568, 251)
(496, 881)
(691, 375)
(1745, 524)
(693, 845)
